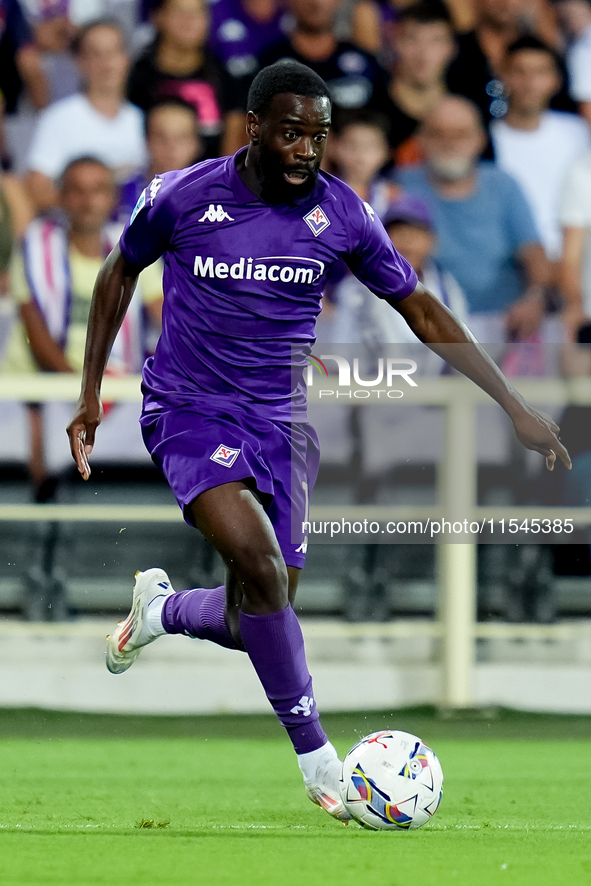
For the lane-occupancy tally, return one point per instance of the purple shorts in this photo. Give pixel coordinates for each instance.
(196, 452)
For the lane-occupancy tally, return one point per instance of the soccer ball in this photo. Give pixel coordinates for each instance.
(391, 781)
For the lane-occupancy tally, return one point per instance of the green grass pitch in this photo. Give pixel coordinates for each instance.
(108, 800)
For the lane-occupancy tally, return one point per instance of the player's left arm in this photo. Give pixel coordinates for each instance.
(448, 337)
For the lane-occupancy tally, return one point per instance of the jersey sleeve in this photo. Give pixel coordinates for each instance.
(373, 258)
(147, 234)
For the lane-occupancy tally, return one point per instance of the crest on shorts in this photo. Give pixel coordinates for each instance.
(317, 220)
(224, 455)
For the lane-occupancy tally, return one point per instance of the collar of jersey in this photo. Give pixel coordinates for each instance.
(243, 194)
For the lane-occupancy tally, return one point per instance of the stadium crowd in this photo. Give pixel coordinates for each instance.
(465, 125)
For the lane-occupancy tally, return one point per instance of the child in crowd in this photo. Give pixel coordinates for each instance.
(358, 152)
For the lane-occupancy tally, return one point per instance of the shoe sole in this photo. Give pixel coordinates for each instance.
(335, 808)
(118, 661)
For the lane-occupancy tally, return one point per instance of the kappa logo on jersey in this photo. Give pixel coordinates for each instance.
(215, 214)
(369, 211)
(317, 220)
(304, 707)
(226, 456)
(138, 206)
(155, 186)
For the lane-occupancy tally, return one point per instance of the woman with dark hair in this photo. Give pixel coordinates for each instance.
(179, 62)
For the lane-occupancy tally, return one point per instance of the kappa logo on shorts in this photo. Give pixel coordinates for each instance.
(225, 456)
(317, 220)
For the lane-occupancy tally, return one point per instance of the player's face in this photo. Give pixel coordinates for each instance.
(291, 138)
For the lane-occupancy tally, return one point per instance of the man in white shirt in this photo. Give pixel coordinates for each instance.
(536, 145)
(575, 17)
(575, 216)
(97, 122)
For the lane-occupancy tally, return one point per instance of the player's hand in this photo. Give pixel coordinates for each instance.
(537, 431)
(81, 431)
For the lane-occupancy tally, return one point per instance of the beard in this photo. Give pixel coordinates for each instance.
(270, 171)
(451, 169)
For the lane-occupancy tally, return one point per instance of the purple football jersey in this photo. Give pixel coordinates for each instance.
(243, 283)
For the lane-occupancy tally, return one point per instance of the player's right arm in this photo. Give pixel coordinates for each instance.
(145, 238)
(113, 291)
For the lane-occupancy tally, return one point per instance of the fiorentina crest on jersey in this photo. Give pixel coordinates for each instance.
(317, 220)
(224, 455)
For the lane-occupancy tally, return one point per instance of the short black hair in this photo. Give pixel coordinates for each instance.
(170, 101)
(528, 41)
(82, 161)
(426, 12)
(286, 76)
(362, 117)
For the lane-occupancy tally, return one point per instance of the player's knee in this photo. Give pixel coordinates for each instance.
(263, 576)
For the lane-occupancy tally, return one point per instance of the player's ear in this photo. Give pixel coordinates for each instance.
(252, 127)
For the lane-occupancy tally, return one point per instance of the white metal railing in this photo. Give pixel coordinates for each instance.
(457, 477)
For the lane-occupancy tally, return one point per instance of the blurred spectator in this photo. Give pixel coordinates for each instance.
(575, 271)
(54, 302)
(61, 16)
(359, 150)
(96, 122)
(575, 16)
(353, 76)
(485, 228)
(20, 60)
(173, 142)
(424, 48)
(54, 34)
(240, 32)
(52, 280)
(179, 62)
(15, 215)
(475, 72)
(575, 427)
(374, 23)
(361, 317)
(533, 144)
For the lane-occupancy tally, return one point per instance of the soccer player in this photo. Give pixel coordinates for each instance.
(247, 242)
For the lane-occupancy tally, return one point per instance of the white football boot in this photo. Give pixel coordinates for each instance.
(323, 786)
(151, 589)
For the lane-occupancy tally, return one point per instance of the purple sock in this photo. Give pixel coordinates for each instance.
(198, 613)
(275, 646)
